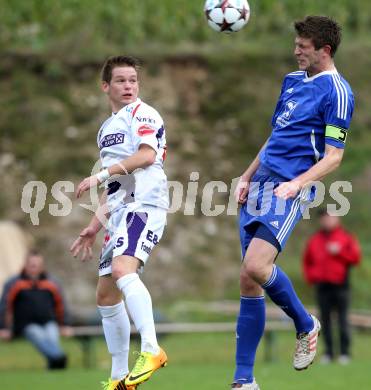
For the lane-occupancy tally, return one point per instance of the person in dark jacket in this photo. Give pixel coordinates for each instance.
(328, 257)
(32, 306)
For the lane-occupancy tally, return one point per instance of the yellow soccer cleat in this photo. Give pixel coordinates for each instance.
(117, 385)
(145, 366)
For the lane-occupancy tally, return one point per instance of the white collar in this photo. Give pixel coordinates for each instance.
(138, 101)
(308, 79)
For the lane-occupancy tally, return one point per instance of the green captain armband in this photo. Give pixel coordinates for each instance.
(336, 133)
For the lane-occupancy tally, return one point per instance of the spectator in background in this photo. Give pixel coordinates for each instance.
(328, 256)
(32, 306)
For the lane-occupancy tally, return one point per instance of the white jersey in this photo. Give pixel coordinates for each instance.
(119, 138)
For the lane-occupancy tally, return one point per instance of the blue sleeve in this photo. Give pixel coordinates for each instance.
(339, 110)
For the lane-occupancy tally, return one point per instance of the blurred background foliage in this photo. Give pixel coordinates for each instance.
(216, 92)
(39, 24)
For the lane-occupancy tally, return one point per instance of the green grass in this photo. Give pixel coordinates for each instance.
(196, 362)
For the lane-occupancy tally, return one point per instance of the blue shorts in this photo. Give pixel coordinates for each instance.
(263, 207)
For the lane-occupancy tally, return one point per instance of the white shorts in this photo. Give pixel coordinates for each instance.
(133, 230)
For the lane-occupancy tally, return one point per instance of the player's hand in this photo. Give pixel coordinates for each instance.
(242, 189)
(84, 244)
(288, 189)
(87, 183)
(66, 331)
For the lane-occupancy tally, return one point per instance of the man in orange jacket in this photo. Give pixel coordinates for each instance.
(328, 256)
(32, 305)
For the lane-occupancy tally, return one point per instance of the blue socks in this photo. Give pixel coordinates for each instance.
(281, 291)
(251, 321)
(250, 328)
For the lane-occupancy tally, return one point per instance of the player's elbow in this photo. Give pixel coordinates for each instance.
(147, 156)
(334, 157)
(336, 160)
(150, 157)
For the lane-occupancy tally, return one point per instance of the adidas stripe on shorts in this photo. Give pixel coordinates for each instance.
(262, 206)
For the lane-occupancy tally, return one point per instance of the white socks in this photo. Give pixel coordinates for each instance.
(116, 327)
(116, 324)
(139, 304)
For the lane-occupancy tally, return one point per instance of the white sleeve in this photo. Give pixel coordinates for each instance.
(147, 128)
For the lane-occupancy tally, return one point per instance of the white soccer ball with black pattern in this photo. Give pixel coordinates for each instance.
(227, 15)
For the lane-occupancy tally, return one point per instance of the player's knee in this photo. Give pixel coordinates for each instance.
(252, 270)
(248, 286)
(107, 298)
(101, 298)
(123, 265)
(244, 276)
(118, 271)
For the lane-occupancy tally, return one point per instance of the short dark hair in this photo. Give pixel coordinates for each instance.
(322, 30)
(113, 62)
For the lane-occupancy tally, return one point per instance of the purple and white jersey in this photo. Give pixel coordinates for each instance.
(119, 138)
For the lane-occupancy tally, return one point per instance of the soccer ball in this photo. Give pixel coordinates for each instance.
(227, 15)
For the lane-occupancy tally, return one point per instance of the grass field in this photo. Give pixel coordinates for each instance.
(202, 362)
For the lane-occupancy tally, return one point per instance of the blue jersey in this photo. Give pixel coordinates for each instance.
(311, 112)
